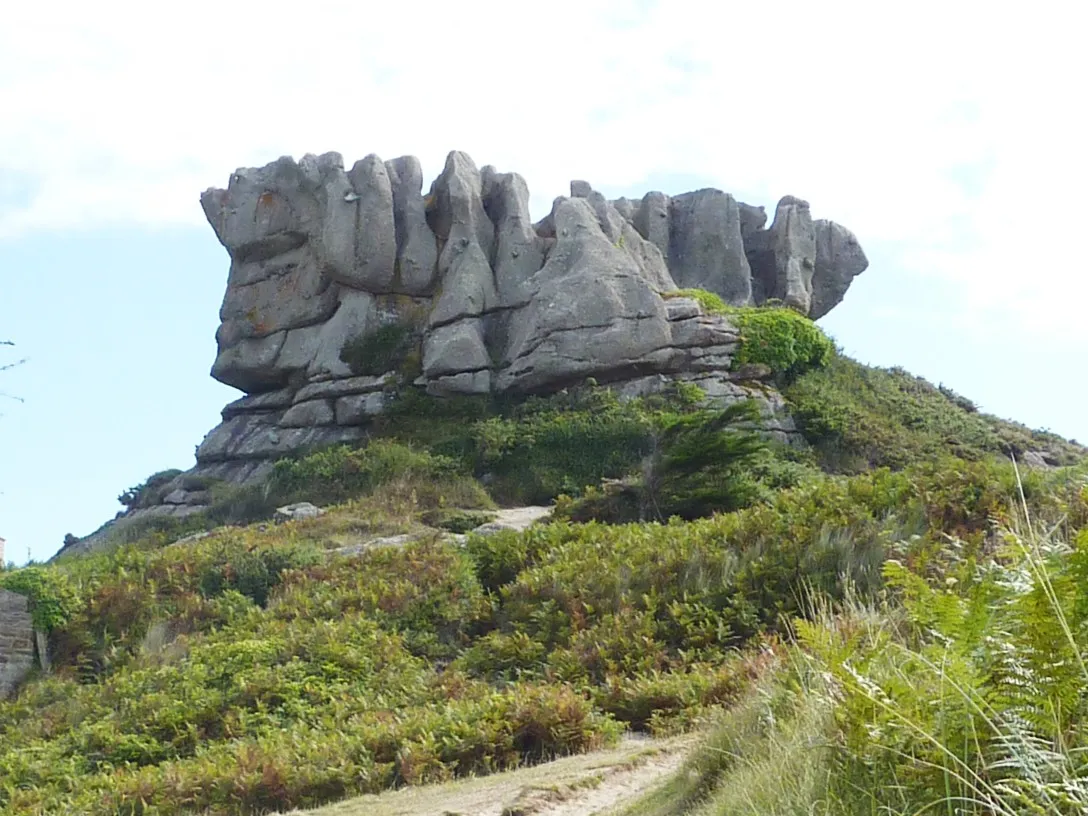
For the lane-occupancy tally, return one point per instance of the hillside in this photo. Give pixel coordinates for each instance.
(811, 594)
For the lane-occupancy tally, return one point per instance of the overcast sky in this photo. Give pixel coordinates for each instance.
(948, 136)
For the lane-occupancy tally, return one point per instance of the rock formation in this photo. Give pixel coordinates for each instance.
(457, 292)
(16, 642)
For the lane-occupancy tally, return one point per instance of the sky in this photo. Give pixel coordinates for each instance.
(948, 136)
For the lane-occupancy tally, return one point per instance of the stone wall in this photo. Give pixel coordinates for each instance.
(16, 642)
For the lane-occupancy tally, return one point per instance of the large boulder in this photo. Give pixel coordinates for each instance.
(594, 312)
(705, 246)
(839, 259)
(783, 258)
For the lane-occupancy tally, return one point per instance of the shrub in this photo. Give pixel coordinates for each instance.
(53, 599)
(386, 349)
(780, 338)
(857, 417)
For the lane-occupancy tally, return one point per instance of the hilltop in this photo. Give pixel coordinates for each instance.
(836, 588)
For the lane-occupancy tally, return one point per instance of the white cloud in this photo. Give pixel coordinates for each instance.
(124, 112)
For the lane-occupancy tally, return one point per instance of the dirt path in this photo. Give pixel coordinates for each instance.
(573, 786)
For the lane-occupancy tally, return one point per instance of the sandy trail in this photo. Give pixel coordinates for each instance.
(583, 785)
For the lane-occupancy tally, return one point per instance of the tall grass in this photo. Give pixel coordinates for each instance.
(961, 694)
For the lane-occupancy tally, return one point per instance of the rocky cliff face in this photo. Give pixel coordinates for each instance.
(348, 285)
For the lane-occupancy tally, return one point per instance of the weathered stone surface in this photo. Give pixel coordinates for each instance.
(305, 414)
(653, 221)
(466, 383)
(299, 511)
(518, 252)
(339, 388)
(375, 228)
(16, 642)
(250, 364)
(359, 312)
(454, 348)
(784, 257)
(839, 259)
(461, 223)
(268, 401)
(251, 436)
(705, 246)
(648, 258)
(417, 248)
(358, 409)
(615, 318)
(291, 291)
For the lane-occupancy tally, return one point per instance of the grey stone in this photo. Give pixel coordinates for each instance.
(461, 222)
(16, 642)
(319, 257)
(417, 249)
(752, 219)
(682, 308)
(454, 348)
(466, 383)
(615, 319)
(251, 436)
(299, 511)
(339, 388)
(839, 259)
(268, 401)
(518, 250)
(358, 314)
(250, 365)
(785, 255)
(358, 409)
(653, 221)
(705, 246)
(375, 228)
(304, 414)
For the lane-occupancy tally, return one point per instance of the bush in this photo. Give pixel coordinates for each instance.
(780, 338)
(53, 600)
(857, 417)
(386, 349)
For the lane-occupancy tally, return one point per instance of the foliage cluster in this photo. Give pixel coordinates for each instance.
(962, 692)
(249, 667)
(388, 348)
(857, 417)
(778, 337)
(785, 341)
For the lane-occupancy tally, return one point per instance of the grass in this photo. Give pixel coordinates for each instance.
(951, 697)
(858, 417)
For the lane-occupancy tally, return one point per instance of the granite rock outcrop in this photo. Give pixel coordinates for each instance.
(347, 286)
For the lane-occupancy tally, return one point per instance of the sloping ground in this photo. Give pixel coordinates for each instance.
(583, 785)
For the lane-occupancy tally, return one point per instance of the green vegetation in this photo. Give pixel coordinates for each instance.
(783, 340)
(892, 622)
(960, 691)
(778, 337)
(710, 302)
(857, 417)
(388, 348)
